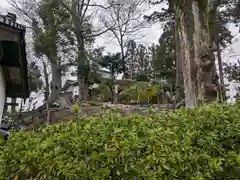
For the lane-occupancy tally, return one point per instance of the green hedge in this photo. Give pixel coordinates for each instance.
(194, 144)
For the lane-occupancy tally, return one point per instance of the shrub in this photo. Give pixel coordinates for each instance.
(140, 91)
(194, 144)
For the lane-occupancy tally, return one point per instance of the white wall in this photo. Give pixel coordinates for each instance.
(2, 92)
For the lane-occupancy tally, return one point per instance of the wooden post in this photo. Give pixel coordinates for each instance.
(2, 93)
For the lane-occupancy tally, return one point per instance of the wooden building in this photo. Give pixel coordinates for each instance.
(13, 62)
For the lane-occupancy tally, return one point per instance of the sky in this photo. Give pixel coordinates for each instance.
(152, 34)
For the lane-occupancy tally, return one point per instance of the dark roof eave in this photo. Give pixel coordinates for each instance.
(23, 65)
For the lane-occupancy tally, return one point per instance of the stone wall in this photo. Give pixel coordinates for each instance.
(38, 117)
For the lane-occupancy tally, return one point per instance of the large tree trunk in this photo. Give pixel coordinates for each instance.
(46, 79)
(187, 56)
(198, 64)
(56, 83)
(80, 89)
(86, 92)
(220, 69)
(82, 64)
(179, 74)
(115, 93)
(123, 58)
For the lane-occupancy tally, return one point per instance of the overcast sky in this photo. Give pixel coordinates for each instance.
(152, 34)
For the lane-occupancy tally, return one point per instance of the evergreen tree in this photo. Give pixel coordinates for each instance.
(200, 78)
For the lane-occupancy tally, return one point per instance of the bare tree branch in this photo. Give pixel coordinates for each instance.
(98, 34)
(127, 17)
(25, 9)
(102, 6)
(83, 14)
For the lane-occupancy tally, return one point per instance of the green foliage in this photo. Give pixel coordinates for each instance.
(232, 71)
(34, 76)
(105, 92)
(1, 156)
(140, 91)
(138, 59)
(125, 82)
(165, 62)
(203, 5)
(142, 77)
(112, 62)
(45, 38)
(76, 108)
(163, 53)
(51, 30)
(187, 144)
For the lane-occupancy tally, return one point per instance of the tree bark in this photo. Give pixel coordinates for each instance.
(46, 79)
(78, 17)
(82, 64)
(115, 93)
(179, 73)
(56, 82)
(86, 92)
(123, 57)
(198, 66)
(187, 61)
(220, 70)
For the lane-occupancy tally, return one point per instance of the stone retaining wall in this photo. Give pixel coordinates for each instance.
(38, 117)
